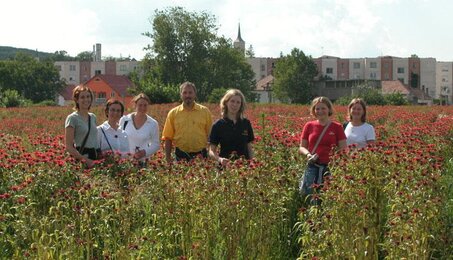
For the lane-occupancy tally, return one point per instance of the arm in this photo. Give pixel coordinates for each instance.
(303, 148)
(168, 148)
(69, 147)
(342, 144)
(154, 144)
(250, 150)
(214, 155)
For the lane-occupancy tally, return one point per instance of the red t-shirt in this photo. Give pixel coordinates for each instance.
(332, 136)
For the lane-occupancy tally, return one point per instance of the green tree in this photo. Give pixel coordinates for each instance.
(250, 53)
(84, 56)
(396, 99)
(32, 79)
(186, 47)
(294, 75)
(216, 95)
(11, 98)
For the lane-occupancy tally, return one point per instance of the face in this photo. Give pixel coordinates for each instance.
(321, 111)
(234, 104)
(141, 106)
(188, 95)
(356, 112)
(84, 100)
(114, 112)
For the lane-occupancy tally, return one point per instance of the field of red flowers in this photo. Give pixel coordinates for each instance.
(393, 200)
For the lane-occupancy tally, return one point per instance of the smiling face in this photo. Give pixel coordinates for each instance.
(84, 100)
(357, 112)
(321, 111)
(114, 113)
(141, 106)
(188, 95)
(234, 104)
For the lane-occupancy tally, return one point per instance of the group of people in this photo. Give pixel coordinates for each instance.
(322, 135)
(188, 128)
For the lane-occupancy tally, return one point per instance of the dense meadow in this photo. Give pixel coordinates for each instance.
(392, 200)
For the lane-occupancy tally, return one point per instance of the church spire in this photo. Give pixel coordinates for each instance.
(239, 43)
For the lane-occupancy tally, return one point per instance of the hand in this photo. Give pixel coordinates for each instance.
(312, 158)
(89, 163)
(223, 161)
(139, 154)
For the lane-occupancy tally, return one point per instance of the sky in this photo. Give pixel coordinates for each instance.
(341, 28)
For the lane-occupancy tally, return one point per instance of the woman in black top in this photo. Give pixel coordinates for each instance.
(233, 132)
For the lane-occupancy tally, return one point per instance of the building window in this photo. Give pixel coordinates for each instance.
(386, 65)
(373, 65)
(400, 70)
(263, 68)
(372, 75)
(102, 95)
(386, 76)
(414, 65)
(123, 67)
(444, 80)
(112, 94)
(97, 72)
(71, 67)
(329, 70)
(356, 65)
(401, 79)
(70, 79)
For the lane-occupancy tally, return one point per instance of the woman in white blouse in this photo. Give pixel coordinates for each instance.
(358, 131)
(112, 139)
(142, 130)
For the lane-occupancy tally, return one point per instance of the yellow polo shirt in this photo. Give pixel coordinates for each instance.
(189, 129)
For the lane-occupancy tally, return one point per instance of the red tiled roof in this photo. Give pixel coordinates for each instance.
(394, 86)
(119, 83)
(262, 83)
(66, 92)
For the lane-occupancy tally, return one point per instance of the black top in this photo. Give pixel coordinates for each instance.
(232, 137)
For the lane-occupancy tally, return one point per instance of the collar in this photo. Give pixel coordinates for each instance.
(196, 106)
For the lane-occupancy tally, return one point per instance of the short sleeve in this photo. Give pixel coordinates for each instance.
(169, 130)
(214, 136)
(371, 135)
(251, 136)
(305, 132)
(70, 121)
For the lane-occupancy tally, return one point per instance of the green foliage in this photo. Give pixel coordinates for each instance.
(84, 56)
(11, 98)
(158, 93)
(8, 53)
(294, 75)
(33, 79)
(395, 99)
(216, 95)
(186, 48)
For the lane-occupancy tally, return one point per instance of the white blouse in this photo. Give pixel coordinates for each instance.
(359, 135)
(117, 139)
(145, 138)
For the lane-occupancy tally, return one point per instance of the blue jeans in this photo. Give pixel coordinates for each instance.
(313, 175)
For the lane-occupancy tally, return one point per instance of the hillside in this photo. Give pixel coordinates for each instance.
(7, 52)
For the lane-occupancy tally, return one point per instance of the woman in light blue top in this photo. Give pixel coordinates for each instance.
(112, 139)
(358, 131)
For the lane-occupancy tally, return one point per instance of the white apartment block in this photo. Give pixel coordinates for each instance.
(373, 68)
(330, 69)
(357, 69)
(444, 80)
(428, 76)
(401, 69)
(76, 72)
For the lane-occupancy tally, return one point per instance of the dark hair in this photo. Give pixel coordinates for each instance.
(111, 102)
(187, 83)
(76, 93)
(362, 103)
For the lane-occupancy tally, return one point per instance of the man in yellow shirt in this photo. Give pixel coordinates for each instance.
(187, 126)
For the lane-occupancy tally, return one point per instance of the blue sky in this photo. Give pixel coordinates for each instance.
(343, 28)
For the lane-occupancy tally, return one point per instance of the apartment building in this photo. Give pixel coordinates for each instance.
(444, 79)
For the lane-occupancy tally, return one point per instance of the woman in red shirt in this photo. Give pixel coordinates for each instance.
(317, 149)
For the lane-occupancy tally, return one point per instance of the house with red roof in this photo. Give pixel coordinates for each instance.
(64, 97)
(413, 95)
(105, 87)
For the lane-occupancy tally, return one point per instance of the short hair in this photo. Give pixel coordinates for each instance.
(141, 96)
(228, 95)
(323, 100)
(362, 103)
(187, 83)
(76, 93)
(111, 102)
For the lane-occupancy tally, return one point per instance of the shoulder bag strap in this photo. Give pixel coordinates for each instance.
(320, 137)
(86, 136)
(106, 139)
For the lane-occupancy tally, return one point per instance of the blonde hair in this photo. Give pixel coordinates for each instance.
(323, 100)
(76, 93)
(362, 103)
(141, 96)
(228, 95)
